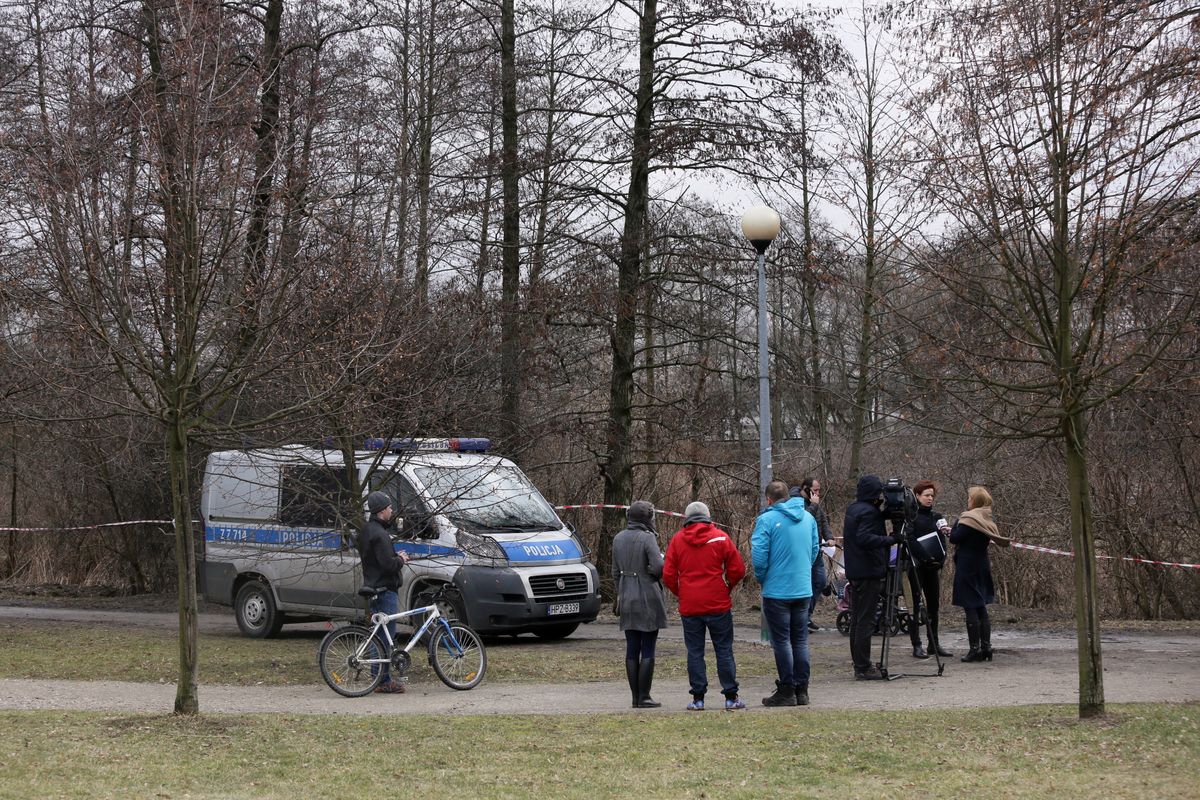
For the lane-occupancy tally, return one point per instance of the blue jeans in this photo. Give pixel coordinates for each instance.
(387, 603)
(818, 583)
(788, 622)
(720, 628)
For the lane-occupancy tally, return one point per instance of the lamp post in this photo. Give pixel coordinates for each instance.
(760, 225)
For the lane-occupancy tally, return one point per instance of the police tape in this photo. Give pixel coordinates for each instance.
(97, 526)
(1019, 545)
(1051, 551)
(616, 508)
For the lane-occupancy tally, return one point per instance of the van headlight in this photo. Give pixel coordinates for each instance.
(481, 546)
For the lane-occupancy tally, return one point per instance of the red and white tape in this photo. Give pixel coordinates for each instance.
(616, 508)
(1034, 548)
(1069, 554)
(1018, 545)
(91, 527)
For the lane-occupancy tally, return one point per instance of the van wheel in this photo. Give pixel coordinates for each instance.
(255, 611)
(449, 606)
(555, 631)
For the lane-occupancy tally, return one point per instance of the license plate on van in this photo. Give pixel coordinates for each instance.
(563, 608)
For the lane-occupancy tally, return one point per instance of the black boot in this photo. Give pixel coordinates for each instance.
(919, 652)
(973, 639)
(802, 694)
(631, 672)
(785, 695)
(645, 676)
(985, 640)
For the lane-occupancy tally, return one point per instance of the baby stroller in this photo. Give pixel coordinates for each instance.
(901, 619)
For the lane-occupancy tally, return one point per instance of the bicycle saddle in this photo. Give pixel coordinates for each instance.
(369, 591)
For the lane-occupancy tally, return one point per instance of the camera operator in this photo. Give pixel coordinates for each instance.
(865, 546)
(925, 579)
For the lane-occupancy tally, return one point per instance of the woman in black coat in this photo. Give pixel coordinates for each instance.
(973, 586)
(925, 579)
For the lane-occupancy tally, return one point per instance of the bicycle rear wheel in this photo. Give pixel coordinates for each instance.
(340, 662)
(459, 660)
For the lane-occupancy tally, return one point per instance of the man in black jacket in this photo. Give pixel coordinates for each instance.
(381, 566)
(866, 544)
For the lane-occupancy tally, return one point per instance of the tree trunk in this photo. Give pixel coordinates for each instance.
(12, 504)
(537, 261)
(809, 290)
(510, 331)
(862, 363)
(617, 467)
(425, 126)
(187, 700)
(265, 153)
(1087, 604)
(866, 331)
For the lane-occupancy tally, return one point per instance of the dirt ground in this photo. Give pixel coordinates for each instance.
(1035, 663)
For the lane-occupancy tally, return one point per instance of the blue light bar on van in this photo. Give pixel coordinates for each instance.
(459, 445)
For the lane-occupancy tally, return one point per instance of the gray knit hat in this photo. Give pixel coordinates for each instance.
(641, 511)
(696, 512)
(378, 501)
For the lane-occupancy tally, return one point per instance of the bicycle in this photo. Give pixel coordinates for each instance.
(350, 657)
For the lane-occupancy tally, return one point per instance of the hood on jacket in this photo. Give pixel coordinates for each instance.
(640, 515)
(869, 488)
(700, 533)
(792, 508)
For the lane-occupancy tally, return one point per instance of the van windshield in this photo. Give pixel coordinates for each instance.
(488, 497)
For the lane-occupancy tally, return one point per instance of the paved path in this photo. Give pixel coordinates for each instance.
(1031, 667)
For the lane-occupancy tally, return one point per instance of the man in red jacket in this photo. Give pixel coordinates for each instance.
(701, 569)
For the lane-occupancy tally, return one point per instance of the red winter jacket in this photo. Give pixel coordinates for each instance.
(702, 567)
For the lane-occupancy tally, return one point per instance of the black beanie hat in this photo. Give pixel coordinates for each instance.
(378, 501)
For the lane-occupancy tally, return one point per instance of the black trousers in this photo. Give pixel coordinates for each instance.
(862, 620)
(926, 589)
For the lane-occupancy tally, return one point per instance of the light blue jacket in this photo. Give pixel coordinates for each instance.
(783, 547)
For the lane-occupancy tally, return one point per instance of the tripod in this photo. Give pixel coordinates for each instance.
(893, 590)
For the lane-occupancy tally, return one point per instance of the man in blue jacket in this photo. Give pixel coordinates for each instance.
(782, 549)
(866, 548)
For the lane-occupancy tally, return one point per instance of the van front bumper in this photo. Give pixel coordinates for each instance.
(496, 600)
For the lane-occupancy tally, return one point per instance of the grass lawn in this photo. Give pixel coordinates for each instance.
(1149, 751)
(72, 651)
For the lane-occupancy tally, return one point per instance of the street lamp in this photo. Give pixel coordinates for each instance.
(760, 225)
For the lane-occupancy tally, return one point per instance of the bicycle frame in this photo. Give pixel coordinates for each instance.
(380, 622)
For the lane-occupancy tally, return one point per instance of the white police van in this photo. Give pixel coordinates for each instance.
(279, 541)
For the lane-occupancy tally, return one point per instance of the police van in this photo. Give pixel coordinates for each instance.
(279, 536)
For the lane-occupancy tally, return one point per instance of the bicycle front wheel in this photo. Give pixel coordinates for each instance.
(458, 656)
(341, 658)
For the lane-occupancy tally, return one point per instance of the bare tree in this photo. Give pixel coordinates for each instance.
(1066, 154)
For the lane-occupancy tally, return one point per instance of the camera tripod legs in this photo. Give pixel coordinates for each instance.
(893, 589)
